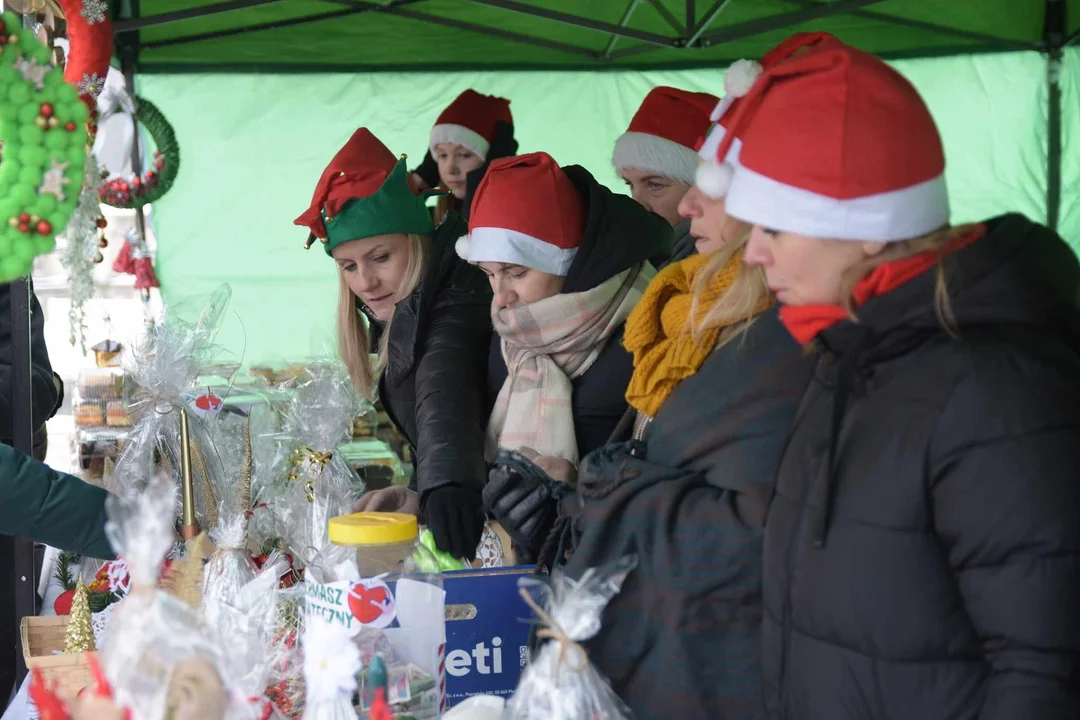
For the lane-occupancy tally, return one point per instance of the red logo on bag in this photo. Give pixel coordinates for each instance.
(372, 603)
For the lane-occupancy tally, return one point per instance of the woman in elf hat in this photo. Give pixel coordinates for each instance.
(922, 553)
(656, 158)
(471, 132)
(406, 297)
(715, 388)
(567, 260)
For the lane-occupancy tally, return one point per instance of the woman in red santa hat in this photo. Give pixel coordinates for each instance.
(471, 132)
(922, 553)
(656, 155)
(407, 297)
(567, 260)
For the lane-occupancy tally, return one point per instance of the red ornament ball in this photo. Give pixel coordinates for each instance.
(44, 227)
(24, 218)
(24, 227)
(69, 126)
(47, 110)
(102, 223)
(3, 38)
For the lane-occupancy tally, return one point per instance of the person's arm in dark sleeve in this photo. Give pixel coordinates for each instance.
(44, 383)
(51, 507)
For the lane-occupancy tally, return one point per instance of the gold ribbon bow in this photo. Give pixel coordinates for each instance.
(553, 631)
(305, 454)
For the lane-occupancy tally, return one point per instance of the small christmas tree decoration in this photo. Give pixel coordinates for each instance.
(79, 637)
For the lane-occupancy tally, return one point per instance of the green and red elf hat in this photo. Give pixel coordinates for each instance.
(364, 192)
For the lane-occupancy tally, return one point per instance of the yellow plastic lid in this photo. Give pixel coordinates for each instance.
(373, 528)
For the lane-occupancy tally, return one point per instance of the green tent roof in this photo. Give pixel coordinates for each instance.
(348, 35)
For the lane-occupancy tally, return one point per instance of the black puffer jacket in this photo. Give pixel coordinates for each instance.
(922, 553)
(682, 639)
(433, 385)
(619, 234)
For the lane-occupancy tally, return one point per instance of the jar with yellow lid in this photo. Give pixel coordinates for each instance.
(378, 582)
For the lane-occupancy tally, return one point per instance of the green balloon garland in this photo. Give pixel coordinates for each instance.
(43, 138)
(155, 182)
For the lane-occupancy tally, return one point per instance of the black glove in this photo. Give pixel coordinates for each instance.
(428, 170)
(524, 499)
(502, 145)
(456, 519)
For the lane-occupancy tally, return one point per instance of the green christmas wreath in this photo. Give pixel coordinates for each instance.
(43, 150)
(156, 181)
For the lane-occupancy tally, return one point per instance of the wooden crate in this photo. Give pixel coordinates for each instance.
(41, 636)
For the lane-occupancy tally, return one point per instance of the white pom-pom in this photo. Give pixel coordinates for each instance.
(462, 247)
(740, 77)
(713, 179)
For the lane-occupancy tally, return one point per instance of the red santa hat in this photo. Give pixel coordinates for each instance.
(836, 144)
(470, 121)
(664, 132)
(713, 176)
(526, 212)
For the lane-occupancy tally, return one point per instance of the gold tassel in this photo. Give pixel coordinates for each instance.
(247, 468)
(210, 509)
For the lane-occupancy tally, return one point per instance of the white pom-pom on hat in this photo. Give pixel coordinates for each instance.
(741, 76)
(462, 247)
(714, 179)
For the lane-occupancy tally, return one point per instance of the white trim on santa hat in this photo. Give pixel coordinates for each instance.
(903, 214)
(492, 244)
(652, 153)
(459, 135)
(714, 178)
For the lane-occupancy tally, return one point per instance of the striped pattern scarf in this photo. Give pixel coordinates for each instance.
(547, 344)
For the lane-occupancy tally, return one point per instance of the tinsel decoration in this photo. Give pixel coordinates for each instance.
(82, 251)
(155, 182)
(79, 637)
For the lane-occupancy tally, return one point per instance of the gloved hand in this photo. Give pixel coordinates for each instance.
(523, 498)
(502, 145)
(389, 499)
(428, 171)
(456, 519)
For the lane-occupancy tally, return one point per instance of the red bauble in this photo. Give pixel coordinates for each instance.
(102, 223)
(3, 38)
(24, 218)
(24, 227)
(62, 606)
(69, 126)
(47, 110)
(44, 227)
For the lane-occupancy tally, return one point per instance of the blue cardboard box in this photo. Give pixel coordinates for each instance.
(485, 651)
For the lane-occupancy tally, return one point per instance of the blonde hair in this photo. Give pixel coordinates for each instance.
(936, 242)
(737, 309)
(353, 337)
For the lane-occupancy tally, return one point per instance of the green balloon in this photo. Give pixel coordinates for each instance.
(24, 250)
(6, 244)
(59, 220)
(11, 267)
(44, 244)
(8, 209)
(8, 75)
(80, 112)
(53, 81)
(57, 140)
(45, 204)
(30, 176)
(42, 54)
(9, 172)
(33, 156)
(77, 155)
(22, 193)
(66, 94)
(20, 93)
(31, 135)
(28, 113)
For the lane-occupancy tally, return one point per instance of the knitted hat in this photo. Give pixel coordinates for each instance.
(836, 144)
(470, 121)
(526, 212)
(664, 132)
(364, 192)
(713, 176)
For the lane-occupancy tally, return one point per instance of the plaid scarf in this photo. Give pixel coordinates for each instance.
(547, 344)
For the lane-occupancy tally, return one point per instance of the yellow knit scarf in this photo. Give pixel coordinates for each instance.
(658, 331)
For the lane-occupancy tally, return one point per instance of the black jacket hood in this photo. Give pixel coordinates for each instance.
(619, 234)
(1021, 274)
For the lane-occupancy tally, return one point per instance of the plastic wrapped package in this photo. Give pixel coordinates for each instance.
(320, 483)
(560, 683)
(331, 665)
(162, 368)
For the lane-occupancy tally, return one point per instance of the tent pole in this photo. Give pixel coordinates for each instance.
(132, 24)
(691, 15)
(622, 23)
(706, 21)
(1054, 37)
(578, 21)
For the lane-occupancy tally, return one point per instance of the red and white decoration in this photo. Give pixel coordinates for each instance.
(664, 132)
(90, 38)
(526, 212)
(470, 121)
(836, 144)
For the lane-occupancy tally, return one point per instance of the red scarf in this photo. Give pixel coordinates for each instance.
(804, 322)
